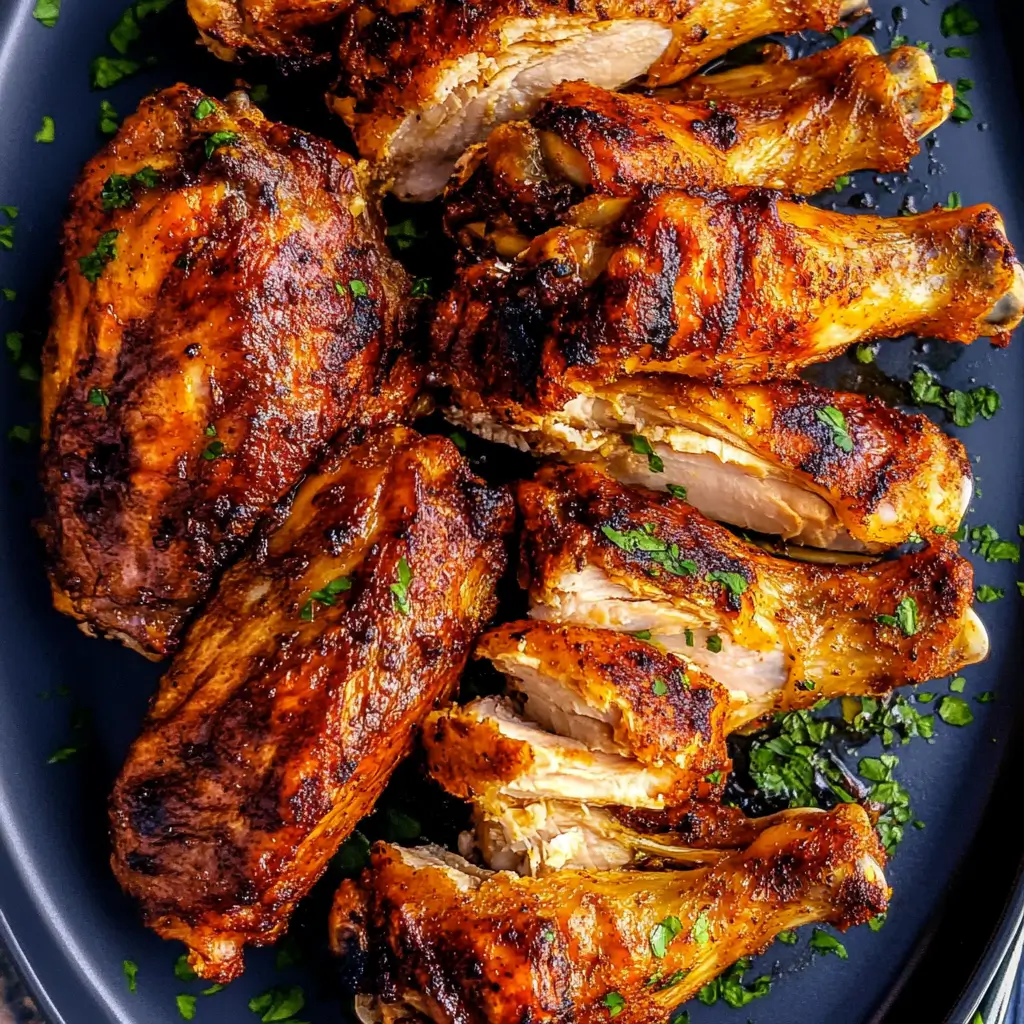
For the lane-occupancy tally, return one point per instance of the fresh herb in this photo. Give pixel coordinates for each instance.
(186, 1006)
(806, 684)
(986, 594)
(955, 711)
(646, 541)
(958, 20)
(126, 32)
(358, 288)
(9, 294)
(733, 582)
(642, 446)
(420, 288)
(962, 110)
(46, 12)
(109, 121)
(278, 1004)
(204, 108)
(117, 189)
(353, 855)
(93, 263)
(905, 617)
(840, 33)
(214, 450)
(822, 942)
(400, 827)
(788, 938)
(48, 131)
(218, 139)
(405, 234)
(836, 422)
(729, 987)
(28, 372)
(677, 491)
(182, 969)
(841, 182)
(7, 230)
(659, 687)
(21, 433)
(864, 353)
(105, 72)
(688, 637)
(213, 989)
(14, 341)
(957, 51)
(701, 930)
(877, 922)
(614, 1003)
(714, 777)
(327, 596)
(985, 541)
(259, 93)
(548, 936)
(458, 439)
(131, 973)
(953, 201)
(957, 684)
(963, 407)
(642, 634)
(714, 643)
(662, 935)
(985, 697)
(400, 590)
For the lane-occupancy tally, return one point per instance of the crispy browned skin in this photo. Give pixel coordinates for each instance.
(587, 558)
(504, 949)
(904, 476)
(791, 125)
(730, 286)
(281, 719)
(276, 28)
(188, 388)
(419, 65)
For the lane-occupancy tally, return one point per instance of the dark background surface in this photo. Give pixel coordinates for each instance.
(57, 897)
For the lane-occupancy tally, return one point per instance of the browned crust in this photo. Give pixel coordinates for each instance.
(220, 311)
(550, 949)
(274, 733)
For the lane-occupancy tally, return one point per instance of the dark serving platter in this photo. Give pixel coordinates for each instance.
(957, 895)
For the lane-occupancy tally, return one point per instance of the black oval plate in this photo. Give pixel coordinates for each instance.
(62, 913)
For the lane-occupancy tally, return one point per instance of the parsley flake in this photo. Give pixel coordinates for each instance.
(46, 12)
(186, 1006)
(955, 710)
(358, 288)
(986, 594)
(714, 643)
(905, 617)
(400, 590)
(836, 422)
(958, 20)
(659, 687)
(645, 541)
(105, 72)
(218, 139)
(48, 131)
(325, 596)
(642, 446)
(733, 582)
(131, 973)
(822, 942)
(701, 930)
(421, 288)
(214, 450)
(204, 108)
(278, 1004)
(109, 120)
(663, 933)
(614, 1003)
(677, 491)
(92, 264)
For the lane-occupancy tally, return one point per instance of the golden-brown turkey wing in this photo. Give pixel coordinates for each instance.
(791, 125)
(574, 944)
(731, 286)
(226, 304)
(300, 688)
(779, 634)
(421, 82)
(275, 28)
(763, 457)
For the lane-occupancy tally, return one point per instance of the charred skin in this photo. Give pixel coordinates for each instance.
(280, 721)
(728, 286)
(904, 476)
(823, 619)
(795, 126)
(409, 72)
(459, 947)
(189, 386)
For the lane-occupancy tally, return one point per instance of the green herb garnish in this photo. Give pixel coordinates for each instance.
(218, 139)
(986, 594)
(278, 1004)
(186, 1006)
(614, 1003)
(109, 121)
(659, 687)
(204, 108)
(836, 422)
(48, 131)
(958, 20)
(645, 541)
(677, 491)
(105, 72)
(92, 264)
(905, 617)
(822, 942)
(642, 446)
(955, 710)
(326, 596)
(400, 590)
(733, 582)
(46, 12)
(714, 643)
(130, 970)
(662, 935)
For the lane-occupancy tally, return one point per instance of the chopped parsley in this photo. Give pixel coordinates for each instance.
(688, 637)
(729, 987)
(985, 541)
(458, 439)
(986, 594)
(957, 51)
(14, 341)
(109, 121)
(642, 446)
(214, 450)
(733, 582)
(836, 422)
(954, 202)
(985, 697)
(204, 108)
(358, 288)
(131, 974)
(326, 596)
(7, 230)
(62, 754)
(788, 938)
(400, 590)
(259, 93)
(126, 32)
(714, 643)
(677, 491)
(646, 541)
(962, 407)
(186, 1006)
(642, 634)
(714, 777)
(905, 617)
(353, 855)
(46, 12)
(405, 234)
(701, 930)
(958, 20)
(48, 130)
(21, 433)
(662, 935)
(105, 72)
(659, 687)
(822, 942)
(841, 182)
(183, 970)
(117, 189)
(421, 288)
(92, 264)
(957, 684)
(614, 1003)
(218, 139)
(9, 294)
(278, 1004)
(962, 110)
(955, 710)
(864, 353)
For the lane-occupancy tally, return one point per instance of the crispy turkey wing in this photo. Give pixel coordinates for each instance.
(301, 687)
(730, 286)
(422, 81)
(779, 634)
(226, 304)
(790, 125)
(452, 943)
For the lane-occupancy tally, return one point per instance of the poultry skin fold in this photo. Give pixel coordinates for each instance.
(760, 456)
(227, 303)
(421, 82)
(780, 634)
(789, 125)
(544, 949)
(301, 687)
(606, 719)
(730, 286)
